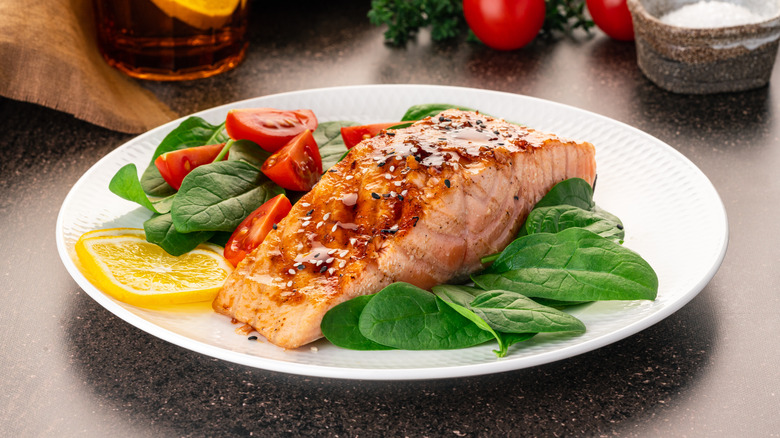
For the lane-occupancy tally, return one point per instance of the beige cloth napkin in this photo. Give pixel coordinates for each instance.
(48, 56)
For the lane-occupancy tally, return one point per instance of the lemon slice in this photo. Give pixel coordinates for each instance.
(121, 263)
(200, 14)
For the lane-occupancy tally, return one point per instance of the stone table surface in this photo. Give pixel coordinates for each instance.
(71, 368)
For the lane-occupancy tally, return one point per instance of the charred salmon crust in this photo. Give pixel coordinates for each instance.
(420, 205)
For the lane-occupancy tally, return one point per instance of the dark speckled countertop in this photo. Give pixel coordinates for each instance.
(71, 368)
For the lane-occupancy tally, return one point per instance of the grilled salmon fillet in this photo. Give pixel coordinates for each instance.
(420, 204)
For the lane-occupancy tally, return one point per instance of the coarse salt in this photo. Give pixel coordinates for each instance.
(711, 14)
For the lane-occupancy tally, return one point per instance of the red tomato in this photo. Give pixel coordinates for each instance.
(505, 24)
(296, 166)
(175, 165)
(270, 128)
(353, 135)
(613, 17)
(252, 230)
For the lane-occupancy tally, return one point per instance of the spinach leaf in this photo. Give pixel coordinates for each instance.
(573, 265)
(560, 217)
(479, 322)
(511, 312)
(340, 325)
(193, 131)
(573, 191)
(160, 230)
(462, 295)
(328, 138)
(125, 184)
(419, 112)
(249, 151)
(220, 238)
(407, 317)
(218, 196)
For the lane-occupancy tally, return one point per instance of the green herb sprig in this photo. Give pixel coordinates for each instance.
(444, 18)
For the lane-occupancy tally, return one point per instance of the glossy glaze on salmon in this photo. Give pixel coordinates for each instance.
(420, 205)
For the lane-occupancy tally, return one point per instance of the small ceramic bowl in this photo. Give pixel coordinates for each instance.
(705, 60)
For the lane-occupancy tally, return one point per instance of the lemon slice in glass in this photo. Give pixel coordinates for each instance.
(121, 263)
(200, 14)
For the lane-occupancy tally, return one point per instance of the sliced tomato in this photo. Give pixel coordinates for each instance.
(353, 135)
(252, 230)
(175, 165)
(268, 127)
(296, 166)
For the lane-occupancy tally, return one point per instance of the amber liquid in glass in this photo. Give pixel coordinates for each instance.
(140, 39)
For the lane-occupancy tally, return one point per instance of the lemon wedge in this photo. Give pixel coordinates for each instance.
(121, 263)
(200, 14)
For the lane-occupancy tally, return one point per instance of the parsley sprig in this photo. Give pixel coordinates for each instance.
(404, 18)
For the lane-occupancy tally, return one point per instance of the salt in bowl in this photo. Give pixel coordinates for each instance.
(705, 60)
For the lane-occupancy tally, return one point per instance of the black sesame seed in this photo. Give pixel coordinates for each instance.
(619, 226)
(400, 198)
(496, 132)
(391, 134)
(479, 122)
(517, 198)
(273, 226)
(323, 269)
(375, 195)
(381, 163)
(417, 158)
(310, 212)
(447, 183)
(332, 170)
(416, 218)
(301, 267)
(386, 195)
(252, 338)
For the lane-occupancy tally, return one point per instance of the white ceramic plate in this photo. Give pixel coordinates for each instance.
(673, 217)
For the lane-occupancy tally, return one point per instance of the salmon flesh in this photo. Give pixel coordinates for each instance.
(420, 205)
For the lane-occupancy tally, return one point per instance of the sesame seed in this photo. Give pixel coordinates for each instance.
(348, 177)
(320, 223)
(291, 271)
(334, 228)
(352, 240)
(289, 283)
(447, 183)
(381, 163)
(252, 338)
(327, 215)
(319, 262)
(392, 194)
(619, 226)
(404, 193)
(332, 251)
(329, 260)
(398, 183)
(323, 269)
(400, 198)
(273, 226)
(392, 168)
(394, 228)
(375, 195)
(331, 271)
(388, 176)
(306, 218)
(342, 263)
(301, 267)
(305, 223)
(343, 252)
(310, 212)
(305, 204)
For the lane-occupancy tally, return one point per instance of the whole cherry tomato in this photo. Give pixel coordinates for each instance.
(296, 166)
(252, 230)
(175, 165)
(505, 24)
(268, 127)
(613, 17)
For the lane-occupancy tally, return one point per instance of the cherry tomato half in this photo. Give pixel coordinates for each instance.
(175, 165)
(268, 127)
(296, 166)
(252, 231)
(613, 17)
(505, 24)
(353, 135)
